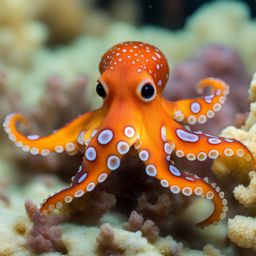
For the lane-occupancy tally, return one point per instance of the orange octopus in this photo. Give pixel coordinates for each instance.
(135, 117)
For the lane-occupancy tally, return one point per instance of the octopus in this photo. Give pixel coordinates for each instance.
(136, 118)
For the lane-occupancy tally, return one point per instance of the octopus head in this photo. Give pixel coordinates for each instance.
(132, 70)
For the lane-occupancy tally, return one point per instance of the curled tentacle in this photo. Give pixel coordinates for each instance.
(158, 165)
(190, 185)
(67, 138)
(198, 110)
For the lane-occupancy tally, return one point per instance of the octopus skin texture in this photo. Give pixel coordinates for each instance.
(136, 117)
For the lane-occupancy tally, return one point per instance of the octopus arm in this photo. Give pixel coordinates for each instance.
(158, 165)
(83, 182)
(67, 138)
(199, 146)
(198, 110)
(102, 156)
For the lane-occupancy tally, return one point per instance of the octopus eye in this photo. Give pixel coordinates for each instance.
(100, 90)
(147, 92)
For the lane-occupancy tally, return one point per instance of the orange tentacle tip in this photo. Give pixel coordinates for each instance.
(135, 117)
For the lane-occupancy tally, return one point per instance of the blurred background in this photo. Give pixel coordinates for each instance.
(49, 56)
(170, 14)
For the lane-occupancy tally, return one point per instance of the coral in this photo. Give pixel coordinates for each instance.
(241, 231)
(133, 244)
(88, 210)
(251, 120)
(45, 235)
(26, 63)
(246, 134)
(209, 250)
(150, 230)
(247, 195)
(135, 222)
(105, 240)
(12, 232)
(158, 210)
(252, 95)
(240, 119)
(80, 240)
(147, 228)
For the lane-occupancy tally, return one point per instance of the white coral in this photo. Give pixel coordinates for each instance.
(242, 231)
(247, 195)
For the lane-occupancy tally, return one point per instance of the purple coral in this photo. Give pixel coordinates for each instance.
(106, 243)
(148, 228)
(45, 235)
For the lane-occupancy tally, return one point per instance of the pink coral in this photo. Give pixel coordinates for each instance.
(106, 243)
(148, 228)
(45, 235)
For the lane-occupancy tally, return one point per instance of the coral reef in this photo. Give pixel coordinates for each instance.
(121, 127)
(53, 85)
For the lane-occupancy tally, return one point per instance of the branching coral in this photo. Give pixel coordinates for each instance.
(148, 227)
(45, 235)
(106, 243)
(156, 211)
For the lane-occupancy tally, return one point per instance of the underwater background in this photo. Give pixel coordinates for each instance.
(49, 56)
